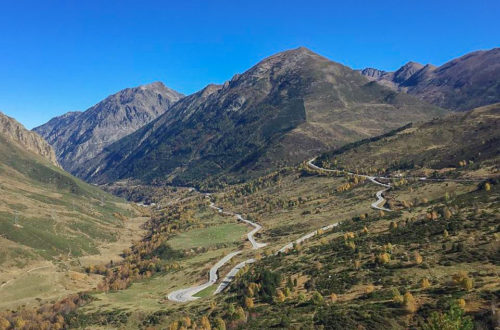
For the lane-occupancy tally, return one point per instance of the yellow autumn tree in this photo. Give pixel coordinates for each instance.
(418, 258)
(424, 283)
(248, 302)
(205, 323)
(409, 302)
(280, 296)
(383, 258)
(219, 324)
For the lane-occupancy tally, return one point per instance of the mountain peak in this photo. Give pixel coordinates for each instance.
(77, 137)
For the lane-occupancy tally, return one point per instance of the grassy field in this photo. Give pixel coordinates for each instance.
(210, 236)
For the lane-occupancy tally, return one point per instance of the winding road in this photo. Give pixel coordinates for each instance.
(380, 199)
(188, 294)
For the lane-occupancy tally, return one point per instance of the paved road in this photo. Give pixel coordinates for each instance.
(305, 237)
(380, 198)
(185, 295)
(230, 276)
(250, 235)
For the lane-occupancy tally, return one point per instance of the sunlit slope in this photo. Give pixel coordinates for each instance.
(46, 213)
(454, 141)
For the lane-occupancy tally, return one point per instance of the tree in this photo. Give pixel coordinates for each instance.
(418, 258)
(248, 302)
(463, 280)
(447, 213)
(333, 297)
(383, 258)
(4, 323)
(186, 321)
(445, 234)
(454, 319)
(397, 297)
(409, 302)
(317, 298)
(240, 314)
(280, 296)
(219, 324)
(205, 323)
(424, 283)
(487, 186)
(301, 298)
(19, 323)
(393, 226)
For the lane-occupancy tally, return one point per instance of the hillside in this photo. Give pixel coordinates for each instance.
(48, 219)
(79, 136)
(283, 110)
(13, 131)
(461, 84)
(328, 259)
(452, 142)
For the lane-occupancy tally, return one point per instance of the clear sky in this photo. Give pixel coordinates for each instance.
(58, 56)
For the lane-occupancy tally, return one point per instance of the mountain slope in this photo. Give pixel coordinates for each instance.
(79, 136)
(440, 144)
(464, 83)
(44, 211)
(12, 130)
(284, 109)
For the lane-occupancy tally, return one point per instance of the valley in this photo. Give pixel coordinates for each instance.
(300, 194)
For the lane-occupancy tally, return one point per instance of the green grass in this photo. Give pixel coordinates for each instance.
(206, 292)
(210, 236)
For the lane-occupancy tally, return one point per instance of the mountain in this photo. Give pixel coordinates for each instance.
(440, 144)
(79, 136)
(464, 83)
(15, 132)
(286, 108)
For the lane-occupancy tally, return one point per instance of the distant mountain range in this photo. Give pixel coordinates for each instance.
(283, 110)
(286, 108)
(80, 136)
(464, 83)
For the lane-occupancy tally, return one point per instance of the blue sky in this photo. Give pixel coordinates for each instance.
(57, 56)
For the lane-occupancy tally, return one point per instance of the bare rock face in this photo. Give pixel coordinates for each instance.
(79, 136)
(464, 83)
(31, 141)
